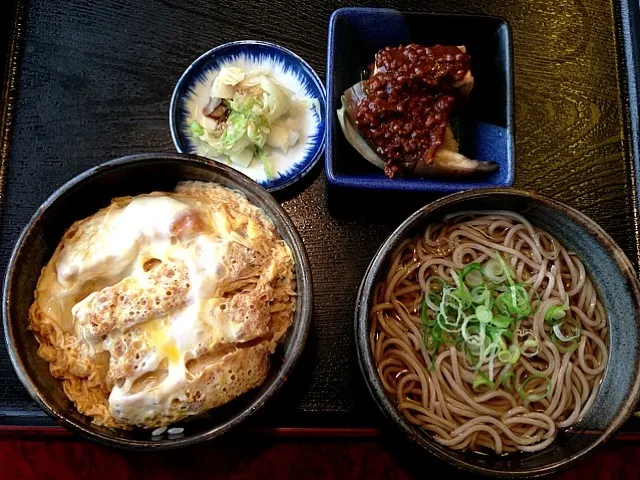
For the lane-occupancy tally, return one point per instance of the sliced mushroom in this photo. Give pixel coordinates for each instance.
(211, 105)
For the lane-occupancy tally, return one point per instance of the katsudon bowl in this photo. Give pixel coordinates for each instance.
(617, 286)
(83, 196)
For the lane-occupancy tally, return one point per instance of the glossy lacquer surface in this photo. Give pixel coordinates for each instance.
(93, 80)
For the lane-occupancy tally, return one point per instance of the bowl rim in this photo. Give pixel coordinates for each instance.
(442, 186)
(195, 66)
(297, 334)
(367, 364)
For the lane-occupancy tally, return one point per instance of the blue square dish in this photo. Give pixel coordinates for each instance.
(484, 126)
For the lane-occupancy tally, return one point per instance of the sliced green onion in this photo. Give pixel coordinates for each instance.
(511, 355)
(476, 355)
(462, 292)
(455, 306)
(430, 342)
(501, 321)
(472, 274)
(480, 381)
(478, 314)
(506, 378)
(435, 340)
(473, 278)
(483, 314)
(452, 339)
(557, 330)
(494, 332)
(506, 268)
(480, 295)
(520, 300)
(432, 300)
(529, 343)
(494, 271)
(468, 350)
(491, 351)
(475, 266)
(423, 311)
(514, 301)
(504, 356)
(530, 397)
(473, 335)
(555, 313)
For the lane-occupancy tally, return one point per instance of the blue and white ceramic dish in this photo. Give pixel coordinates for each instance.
(485, 126)
(286, 68)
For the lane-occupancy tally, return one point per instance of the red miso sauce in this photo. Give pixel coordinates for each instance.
(408, 102)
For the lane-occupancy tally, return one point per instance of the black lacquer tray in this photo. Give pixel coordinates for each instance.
(86, 82)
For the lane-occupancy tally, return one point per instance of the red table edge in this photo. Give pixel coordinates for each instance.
(57, 431)
(291, 432)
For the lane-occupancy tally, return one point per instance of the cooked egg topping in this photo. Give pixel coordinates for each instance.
(184, 293)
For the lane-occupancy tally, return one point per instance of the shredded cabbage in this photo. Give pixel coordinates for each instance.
(266, 164)
(227, 79)
(255, 113)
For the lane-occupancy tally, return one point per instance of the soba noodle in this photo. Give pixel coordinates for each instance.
(500, 365)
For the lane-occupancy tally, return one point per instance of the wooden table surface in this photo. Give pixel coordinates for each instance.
(42, 456)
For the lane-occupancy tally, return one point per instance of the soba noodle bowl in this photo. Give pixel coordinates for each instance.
(489, 333)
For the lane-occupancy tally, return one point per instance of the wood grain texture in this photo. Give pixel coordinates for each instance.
(95, 83)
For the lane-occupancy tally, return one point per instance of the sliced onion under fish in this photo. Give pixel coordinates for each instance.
(446, 162)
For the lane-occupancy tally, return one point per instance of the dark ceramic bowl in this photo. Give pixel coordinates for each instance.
(83, 196)
(484, 126)
(619, 291)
